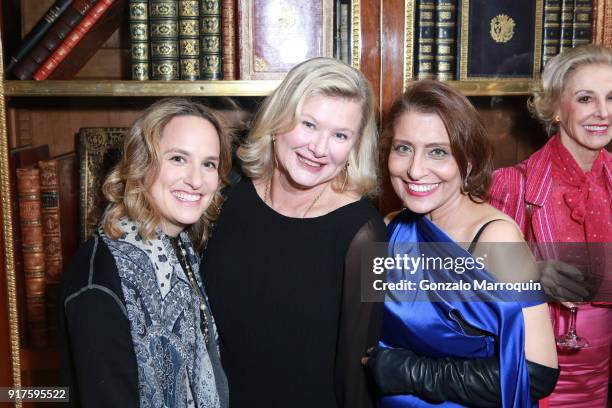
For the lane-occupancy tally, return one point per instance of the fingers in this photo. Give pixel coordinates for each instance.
(570, 271)
(563, 281)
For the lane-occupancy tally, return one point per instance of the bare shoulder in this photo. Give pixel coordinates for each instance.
(502, 229)
(389, 217)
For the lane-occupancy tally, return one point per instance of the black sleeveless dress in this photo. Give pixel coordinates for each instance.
(285, 293)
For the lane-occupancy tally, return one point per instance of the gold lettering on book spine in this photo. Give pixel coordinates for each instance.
(502, 28)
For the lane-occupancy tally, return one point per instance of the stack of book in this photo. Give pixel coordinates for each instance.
(65, 38)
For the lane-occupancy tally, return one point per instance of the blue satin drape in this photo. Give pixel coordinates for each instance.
(428, 327)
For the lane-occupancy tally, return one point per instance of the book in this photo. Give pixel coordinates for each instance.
(37, 32)
(602, 22)
(76, 35)
(228, 38)
(68, 173)
(50, 217)
(138, 19)
(567, 24)
(345, 32)
(189, 39)
(98, 150)
(23, 156)
(52, 39)
(445, 39)
(551, 30)
(274, 39)
(30, 218)
(583, 22)
(163, 35)
(210, 40)
(500, 39)
(425, 40)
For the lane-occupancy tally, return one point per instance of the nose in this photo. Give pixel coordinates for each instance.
(193, 177)
(318, 144)
(603, 108)
(417, 168)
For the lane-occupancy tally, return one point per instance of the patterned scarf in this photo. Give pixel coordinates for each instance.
(175, 367)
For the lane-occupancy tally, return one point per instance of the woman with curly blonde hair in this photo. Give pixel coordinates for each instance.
(135, 315)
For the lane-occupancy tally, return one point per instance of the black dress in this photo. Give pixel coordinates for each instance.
(285, 293)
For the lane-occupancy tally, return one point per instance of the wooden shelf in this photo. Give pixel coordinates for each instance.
(138, 88)
(494, 88)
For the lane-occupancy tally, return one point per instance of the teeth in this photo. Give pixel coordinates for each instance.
(421, 188)
(308, 162)
(186, 197)
(594, 128)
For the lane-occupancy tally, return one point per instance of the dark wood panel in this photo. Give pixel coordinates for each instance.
(392, 53)
(371, 44)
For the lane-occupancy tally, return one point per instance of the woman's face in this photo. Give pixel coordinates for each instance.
(316, 149)
(188, 175)
(585, 110)
(423, 171)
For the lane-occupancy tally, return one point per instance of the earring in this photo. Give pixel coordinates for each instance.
(273, 138)
(557, 119)
(467, 175)
(346, 166)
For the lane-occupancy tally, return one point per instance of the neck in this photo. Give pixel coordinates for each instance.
(583, 156)
(287, 198)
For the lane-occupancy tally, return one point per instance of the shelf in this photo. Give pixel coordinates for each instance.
(494, 88)
(138, 88)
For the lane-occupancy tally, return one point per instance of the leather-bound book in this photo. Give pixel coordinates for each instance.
(139, 39)
(36, 33)
(500, 39)
(30, 218)
(53, 38)
(424, 48)
(445, 39)
(50, 212)
(189, 39)
(98, 150)
(163, 27)
(551, 30)
(567, 24)
(83, 41)
(24, 156)
(582, 29)
(274, 39)
(228, 38)
(210, 40)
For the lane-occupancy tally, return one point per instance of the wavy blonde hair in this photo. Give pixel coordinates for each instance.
(546, 98)
(127, 185)
(281, 111)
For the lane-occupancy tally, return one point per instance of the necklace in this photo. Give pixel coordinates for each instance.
(196, 288)
(267, 194)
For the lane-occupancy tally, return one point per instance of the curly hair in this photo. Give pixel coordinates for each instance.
(127, 185)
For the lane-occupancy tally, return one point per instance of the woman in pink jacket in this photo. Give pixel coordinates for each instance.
(563, 193)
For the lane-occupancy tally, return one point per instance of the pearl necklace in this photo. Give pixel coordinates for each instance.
(267, 194)
(196, 288)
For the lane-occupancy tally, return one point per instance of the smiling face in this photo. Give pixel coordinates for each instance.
(423, 171)
(315, 151)
(188, 175)
(585, 110)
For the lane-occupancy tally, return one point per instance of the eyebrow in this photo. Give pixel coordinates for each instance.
(427, 145)
(313, 119)
(186, 153)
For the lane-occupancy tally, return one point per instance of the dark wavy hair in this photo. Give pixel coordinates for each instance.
(468, 138)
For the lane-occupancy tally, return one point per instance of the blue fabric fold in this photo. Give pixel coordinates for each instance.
(428, 327)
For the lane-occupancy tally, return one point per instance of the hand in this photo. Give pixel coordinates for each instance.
(562, 281)
(388, 367)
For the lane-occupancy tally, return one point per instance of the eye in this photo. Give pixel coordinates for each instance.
(308, 124)
(177, 159)
(438, 153)
(584, 99)
(210, 165)
(402, 148)
(341, 136)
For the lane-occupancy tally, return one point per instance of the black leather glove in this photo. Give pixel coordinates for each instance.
(471, 382)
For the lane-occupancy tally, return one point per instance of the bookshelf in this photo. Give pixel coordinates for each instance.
(380, 48)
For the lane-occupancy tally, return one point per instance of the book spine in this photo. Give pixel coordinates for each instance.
(567, 22)
(446, 39)
(163, 26)
(583, 22)
(139, 39)
(56, 34)
(345, 33)
(551, 37)
(228, 36)
(36, 33)
(72, 39)
(424, 64)
(28, 190)
(50, 212)
(189, 39)
(210, 31)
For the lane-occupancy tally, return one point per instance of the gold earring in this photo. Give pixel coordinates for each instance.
(273, 138)
(557, 119)
(346, 166)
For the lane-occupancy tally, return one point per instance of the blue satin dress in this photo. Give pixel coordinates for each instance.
(428, 327)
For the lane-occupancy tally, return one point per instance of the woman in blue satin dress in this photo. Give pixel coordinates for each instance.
(438, 347)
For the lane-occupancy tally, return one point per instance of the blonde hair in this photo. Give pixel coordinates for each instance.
(546, 98)
(126, 186)
(281, 110)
